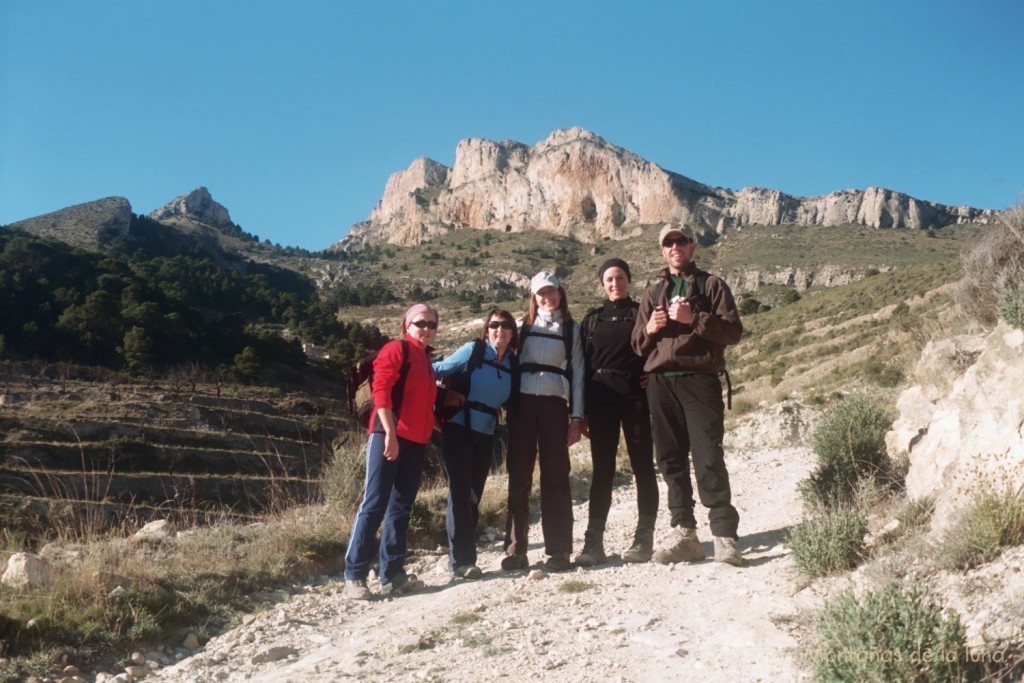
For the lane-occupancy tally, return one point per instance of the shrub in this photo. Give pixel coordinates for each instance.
(1011, 306)
(343, 478)
(994, 266)
(995, 521)
(829, 543)
(895, 634)
(850, 445)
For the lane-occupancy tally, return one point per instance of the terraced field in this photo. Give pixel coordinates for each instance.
(144, 448)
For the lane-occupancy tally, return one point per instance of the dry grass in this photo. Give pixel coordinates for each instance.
(994, 266)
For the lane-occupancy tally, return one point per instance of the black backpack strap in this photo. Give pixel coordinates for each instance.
(566, 337)
(476, 359)
(397, 391)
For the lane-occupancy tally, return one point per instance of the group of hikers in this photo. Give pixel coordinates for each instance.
(651, 369)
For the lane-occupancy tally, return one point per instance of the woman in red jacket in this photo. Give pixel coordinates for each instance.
(400, 427)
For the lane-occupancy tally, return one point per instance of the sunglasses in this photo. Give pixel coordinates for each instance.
(676, 241)
(429, 324)
(503, 324)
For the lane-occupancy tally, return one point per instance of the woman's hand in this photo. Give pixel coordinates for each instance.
(575, 429)
(390, 446)
(387, 421)
(585, 427)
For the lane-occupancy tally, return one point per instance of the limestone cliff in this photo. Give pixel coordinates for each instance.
(962, 422)
(576, 183)
(197, 205)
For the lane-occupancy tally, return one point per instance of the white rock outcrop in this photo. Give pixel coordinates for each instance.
(25, 570)
(576, 183)
(962, 423)
(197, 204)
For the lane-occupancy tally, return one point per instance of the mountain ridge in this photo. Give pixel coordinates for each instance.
(578, 184)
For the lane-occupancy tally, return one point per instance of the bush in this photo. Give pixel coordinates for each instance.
(829, 543)
(895, 634)
(850, 445)
(993, 267)
(343, 478)
(995, 521)
(1011, 306)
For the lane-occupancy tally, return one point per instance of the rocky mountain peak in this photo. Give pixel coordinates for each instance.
(198, 205)
(576, 183)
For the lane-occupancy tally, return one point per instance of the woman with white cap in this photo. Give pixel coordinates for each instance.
(546, 418)
(400, 428)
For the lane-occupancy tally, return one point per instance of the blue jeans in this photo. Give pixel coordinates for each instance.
(391, 487)
(467, 462)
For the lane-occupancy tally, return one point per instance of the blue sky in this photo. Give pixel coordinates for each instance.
(294, 114)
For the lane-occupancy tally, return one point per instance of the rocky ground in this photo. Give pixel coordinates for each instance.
(619, 622)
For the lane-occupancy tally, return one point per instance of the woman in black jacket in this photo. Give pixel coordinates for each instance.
(615, 398)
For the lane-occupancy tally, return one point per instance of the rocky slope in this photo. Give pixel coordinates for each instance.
(86, 226)
(576, 183)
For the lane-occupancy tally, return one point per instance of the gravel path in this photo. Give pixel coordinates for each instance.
(615, 622)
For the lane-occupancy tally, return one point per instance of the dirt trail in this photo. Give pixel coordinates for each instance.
(643, 622)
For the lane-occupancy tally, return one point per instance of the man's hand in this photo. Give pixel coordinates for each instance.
(658, 320)
(681, 311)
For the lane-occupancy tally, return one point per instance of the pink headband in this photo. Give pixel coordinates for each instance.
(414, 311)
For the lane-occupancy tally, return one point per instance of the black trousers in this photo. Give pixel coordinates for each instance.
(608, 411)
(467, 462)
(688, 417)
(541, 427)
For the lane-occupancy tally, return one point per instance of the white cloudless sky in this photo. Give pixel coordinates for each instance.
(295, 113)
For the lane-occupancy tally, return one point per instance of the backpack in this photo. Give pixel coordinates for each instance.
(594, 317)
(700, 298)
(453, 395)
(526, 331)
(360, 384)
(702, 303)
(589, 326)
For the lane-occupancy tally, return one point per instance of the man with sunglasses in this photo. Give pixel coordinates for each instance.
(686, 319)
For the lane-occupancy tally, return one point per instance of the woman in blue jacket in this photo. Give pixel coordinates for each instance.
(467, 440)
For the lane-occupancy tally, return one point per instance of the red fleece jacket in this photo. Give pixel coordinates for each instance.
(415, 415)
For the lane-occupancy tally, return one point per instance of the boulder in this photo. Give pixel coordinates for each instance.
(962, 424)
(25, 570)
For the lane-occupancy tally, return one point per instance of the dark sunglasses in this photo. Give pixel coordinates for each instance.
(676, 241)
(429, 324)
(503, 324)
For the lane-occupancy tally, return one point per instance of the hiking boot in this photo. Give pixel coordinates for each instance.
(559, 562)
(643, 545)
(593, 549)
(680, 546)
(468, 571)
(401, 584)
(725, 551)
(355, 589)
(510, 562)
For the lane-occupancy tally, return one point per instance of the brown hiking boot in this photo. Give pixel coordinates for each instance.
(559, 562)
(680, 546)
(402, 584)
(643, 545)
(725, 551)
(355, 589)
(510, 562)
(593, 549)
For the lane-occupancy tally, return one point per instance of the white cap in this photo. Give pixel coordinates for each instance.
(541, 280)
